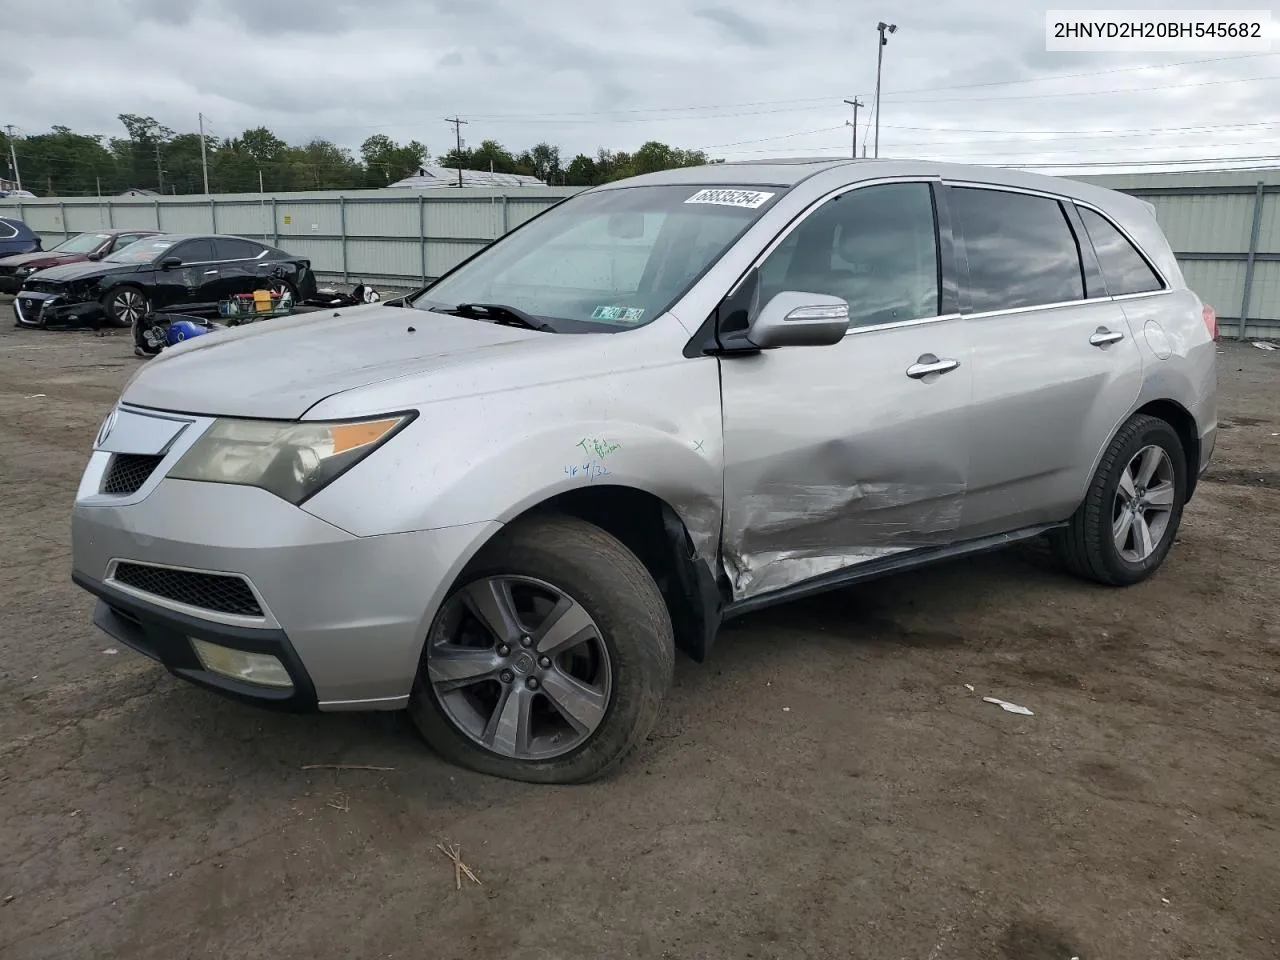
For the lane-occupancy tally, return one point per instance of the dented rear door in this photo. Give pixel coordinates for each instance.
(839, 455)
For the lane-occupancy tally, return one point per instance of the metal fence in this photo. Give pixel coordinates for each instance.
(377, 235)
(1223, 225)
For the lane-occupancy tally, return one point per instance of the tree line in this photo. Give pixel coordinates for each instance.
(63, 163)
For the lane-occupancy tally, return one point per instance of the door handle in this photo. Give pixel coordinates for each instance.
(928, 364)
(209, 273)
(1102, 336)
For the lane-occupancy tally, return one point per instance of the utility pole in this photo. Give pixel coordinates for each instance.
(260, 189)
(855, 103)
(159, 172)
(882, 27)
(204, 162)
(457, 131)
(13, 157)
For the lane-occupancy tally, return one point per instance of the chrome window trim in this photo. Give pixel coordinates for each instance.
(898, 324)
(266, 621)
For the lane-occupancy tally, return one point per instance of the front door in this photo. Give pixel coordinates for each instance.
(193, 284)
(838, 455)
(1055, 364)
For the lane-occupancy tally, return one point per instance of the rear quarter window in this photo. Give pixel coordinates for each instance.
(1123, 267)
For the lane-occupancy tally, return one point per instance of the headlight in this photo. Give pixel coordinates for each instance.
(25, 271)
(291, 460)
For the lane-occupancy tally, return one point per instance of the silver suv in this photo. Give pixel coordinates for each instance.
(504, 501)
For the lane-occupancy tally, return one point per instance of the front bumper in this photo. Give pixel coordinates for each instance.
(165, 636)
(352, 612)
(10, 283)
(34, 309)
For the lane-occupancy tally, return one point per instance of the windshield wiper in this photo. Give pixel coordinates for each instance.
(502, 314)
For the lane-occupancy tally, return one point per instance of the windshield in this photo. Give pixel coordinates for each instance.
(607, 261)
(144, 251)
(83, 243)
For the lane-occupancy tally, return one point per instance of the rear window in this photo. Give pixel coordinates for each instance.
(1124, 268)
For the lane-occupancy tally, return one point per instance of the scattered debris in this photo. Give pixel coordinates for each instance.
(1264, 346)
(413, 330)
(340, 801)
(1009, 707)
(343, 766)
(111, 651)
(786, 709)
(9, 898)
(36, 396)
(969, 687)
(75, 813)
(454, 853)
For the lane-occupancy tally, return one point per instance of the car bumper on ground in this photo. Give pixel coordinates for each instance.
(34, 309)
(239, 567)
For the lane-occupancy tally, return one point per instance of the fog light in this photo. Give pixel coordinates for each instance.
(259, 668)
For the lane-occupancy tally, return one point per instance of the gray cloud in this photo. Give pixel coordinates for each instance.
(963, 79)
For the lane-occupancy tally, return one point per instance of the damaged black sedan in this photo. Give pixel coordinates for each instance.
(188, 274)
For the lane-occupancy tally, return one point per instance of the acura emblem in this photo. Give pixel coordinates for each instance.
(108, 425)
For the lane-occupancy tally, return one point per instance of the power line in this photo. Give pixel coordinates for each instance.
(1094, 93)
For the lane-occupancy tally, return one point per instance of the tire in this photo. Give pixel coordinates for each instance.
(122, 306)
(141, 348)
(284, 288)
(1088, 546)
(631, 635)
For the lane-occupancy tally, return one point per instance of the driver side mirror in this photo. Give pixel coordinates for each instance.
(169, 262)
(794, 319)
(96, 255)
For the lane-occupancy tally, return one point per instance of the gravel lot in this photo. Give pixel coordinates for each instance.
(825, 787)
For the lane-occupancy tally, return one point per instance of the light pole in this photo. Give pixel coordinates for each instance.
(882, 27)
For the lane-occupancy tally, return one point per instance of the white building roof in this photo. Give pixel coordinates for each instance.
(429, 178)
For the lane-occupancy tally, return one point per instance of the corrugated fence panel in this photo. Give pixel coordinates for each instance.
(325, 254)
(383, 218)
(140, 216)
(245, 219)
(296, 219)
(473, 220)
(442, 256)
(518, 211)
(1206, 224)
(85, 219)
(1217, 282)
(185, 218)
(1264, 302)
(384, 258)
(1269, 228)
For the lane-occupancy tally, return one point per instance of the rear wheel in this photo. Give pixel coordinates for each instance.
(549, 660)
(125, 306)
(1124, 529)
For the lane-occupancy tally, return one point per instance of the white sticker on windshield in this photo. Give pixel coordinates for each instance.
(731, 198)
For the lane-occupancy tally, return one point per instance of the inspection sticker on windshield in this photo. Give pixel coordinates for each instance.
(618, 314)
(731, 198)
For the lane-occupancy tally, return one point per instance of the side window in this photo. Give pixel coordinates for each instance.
(195, 251)
(124, 239)
(233, 249)
(874, 247)
(1123, 266)
(1020, 248)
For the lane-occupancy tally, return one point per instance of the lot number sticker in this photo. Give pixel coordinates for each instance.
(731, 198)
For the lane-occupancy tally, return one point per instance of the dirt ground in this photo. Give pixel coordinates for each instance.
(825, 787)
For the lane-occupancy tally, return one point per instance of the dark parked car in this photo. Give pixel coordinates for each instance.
(16, 237)
(191, 274)
(83, 246)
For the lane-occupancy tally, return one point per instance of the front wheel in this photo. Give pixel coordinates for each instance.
(1127, 523)
(125, 306)
(549, 660)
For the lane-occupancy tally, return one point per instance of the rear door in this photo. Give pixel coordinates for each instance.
(839, 455)
(1056, 367)
(242, 266)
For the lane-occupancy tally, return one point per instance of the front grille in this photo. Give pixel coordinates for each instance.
(129, 471)
(208, 591)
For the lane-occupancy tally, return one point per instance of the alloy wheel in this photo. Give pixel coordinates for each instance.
(1143, 504)
(129, 306)
(520, 667)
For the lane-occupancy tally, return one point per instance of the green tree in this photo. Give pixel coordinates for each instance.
(386, 162)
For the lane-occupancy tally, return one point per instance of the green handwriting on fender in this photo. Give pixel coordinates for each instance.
(601, 448)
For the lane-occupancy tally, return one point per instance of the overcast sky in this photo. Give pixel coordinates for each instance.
(965, 80)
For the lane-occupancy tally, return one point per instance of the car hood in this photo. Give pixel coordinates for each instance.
(88, 270)
(40, 259)
(278, 369)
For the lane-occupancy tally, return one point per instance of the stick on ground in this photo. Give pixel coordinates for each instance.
(454, 853)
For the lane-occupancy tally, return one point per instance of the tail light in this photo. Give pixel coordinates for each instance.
(1211, 320)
